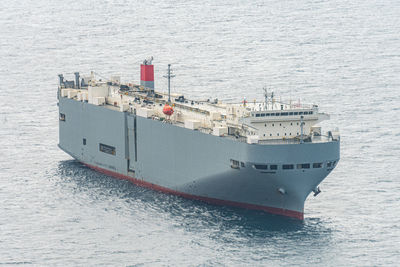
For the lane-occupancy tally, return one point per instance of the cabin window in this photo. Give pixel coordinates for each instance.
(306, 113)
(317, 165)
(234, 164)
(280, 124)
(267, 114)
(310, 112)
(62, 117)
(301, 113)
(84, 141)
(260, 167)
(270, 134)
(273, 167)
(272, 114)
(277, 134)
(242, 164)
(262, 114)
(284, 114)
(273, 125)
(290, 113)
(303, 166)
(277, 114)
(296, 113)
(290, 133)
(257, 115)
(285, 134)
(287, 166)
(107, 149)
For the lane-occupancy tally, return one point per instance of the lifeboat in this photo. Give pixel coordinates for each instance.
(168, 110)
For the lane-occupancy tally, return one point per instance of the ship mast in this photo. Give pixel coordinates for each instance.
(169, 76)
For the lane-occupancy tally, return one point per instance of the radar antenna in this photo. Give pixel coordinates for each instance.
(169, 76)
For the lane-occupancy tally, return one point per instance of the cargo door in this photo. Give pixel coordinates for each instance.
(131, 142)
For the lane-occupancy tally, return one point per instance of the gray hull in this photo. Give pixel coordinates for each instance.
(193, 164)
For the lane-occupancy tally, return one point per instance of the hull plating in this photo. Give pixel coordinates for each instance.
(192, 164)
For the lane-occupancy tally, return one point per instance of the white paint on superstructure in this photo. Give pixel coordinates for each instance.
(256, 121)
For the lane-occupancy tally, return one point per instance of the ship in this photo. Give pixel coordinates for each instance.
(267, 155)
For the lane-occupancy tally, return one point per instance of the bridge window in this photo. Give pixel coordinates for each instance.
(234, 164)
(287, 166)
(260, 167)
(107, 149)
(330, 164)
(303, 166)
(317, 165)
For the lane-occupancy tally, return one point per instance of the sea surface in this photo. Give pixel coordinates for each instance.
(342, 55)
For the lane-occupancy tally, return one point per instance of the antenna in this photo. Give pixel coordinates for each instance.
(148, 61)
(301, 128)
(169, 76)
(266, 96)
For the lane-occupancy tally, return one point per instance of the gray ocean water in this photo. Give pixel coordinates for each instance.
(343, 55)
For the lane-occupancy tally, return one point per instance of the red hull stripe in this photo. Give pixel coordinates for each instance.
(278, 211)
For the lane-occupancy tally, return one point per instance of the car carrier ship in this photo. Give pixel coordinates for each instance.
(267, 155)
